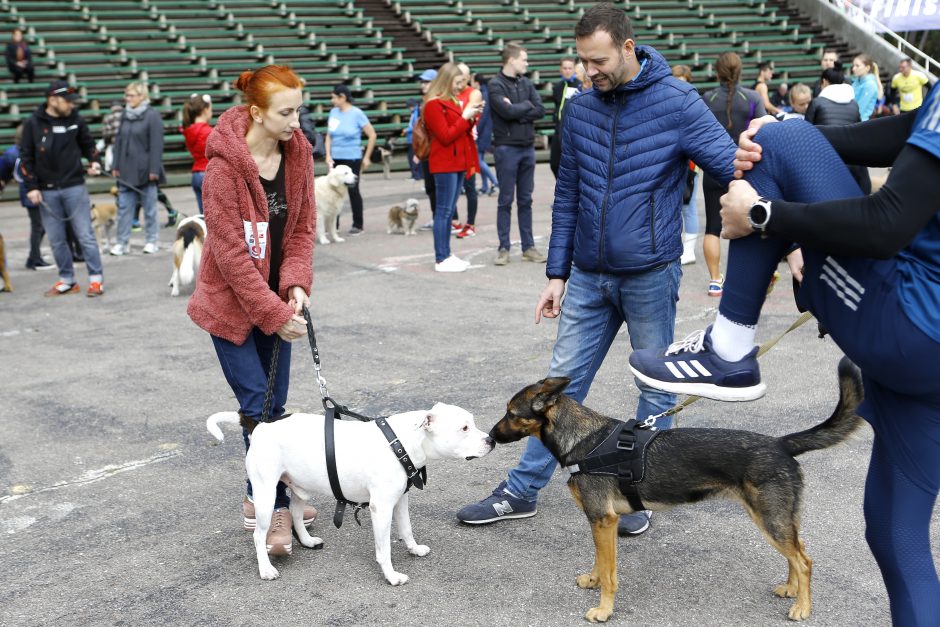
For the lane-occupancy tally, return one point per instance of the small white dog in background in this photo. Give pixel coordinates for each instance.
(402, 219)
(187, 253)
(331, 190)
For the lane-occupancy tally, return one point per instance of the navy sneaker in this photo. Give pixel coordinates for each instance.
(498, 506)
(692, 367)
(634, 524)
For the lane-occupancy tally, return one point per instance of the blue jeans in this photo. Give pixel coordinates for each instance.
(690, 210)
(487, 178)
(448, 186)
(595, 307)
(198, 177)
(127, 202)
(515, 169)
(246, 370)
(70, 204)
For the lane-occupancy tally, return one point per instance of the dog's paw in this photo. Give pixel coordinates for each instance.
(397, 579)
(339, 239)
(175, 291)
(598, 615)
(786, 591)
(420, 550)
(588, 581)
(800, 611)
(324, 241)
(268, 572)
(311, 542)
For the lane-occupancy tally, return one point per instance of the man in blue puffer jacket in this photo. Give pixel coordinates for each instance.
(616, 227)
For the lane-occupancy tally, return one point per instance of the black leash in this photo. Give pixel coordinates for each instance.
(417, 477)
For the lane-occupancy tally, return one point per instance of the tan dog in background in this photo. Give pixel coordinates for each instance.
(103, 218)
(187, 253)
(7, 286)
(402, 219)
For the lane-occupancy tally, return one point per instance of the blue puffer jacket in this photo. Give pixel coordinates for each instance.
(618, 206)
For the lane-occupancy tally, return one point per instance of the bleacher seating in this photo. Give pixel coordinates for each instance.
(178, 47)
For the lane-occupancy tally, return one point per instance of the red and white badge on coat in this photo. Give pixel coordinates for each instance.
(256, 250)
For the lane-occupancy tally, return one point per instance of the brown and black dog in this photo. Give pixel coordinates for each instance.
(685, 466)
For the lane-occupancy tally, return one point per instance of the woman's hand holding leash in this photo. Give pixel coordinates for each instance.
(298, 300)
(294, 328)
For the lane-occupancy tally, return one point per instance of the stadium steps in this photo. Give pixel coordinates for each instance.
(425, 53)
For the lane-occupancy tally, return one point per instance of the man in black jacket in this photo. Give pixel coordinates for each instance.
(514, 106)
(55, 138)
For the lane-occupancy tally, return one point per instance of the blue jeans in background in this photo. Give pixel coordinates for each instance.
(515, 169)
(593, 311)
(198, 177)
(487, 178)
(71, 204)
(690, 210)
(246, 370)
(447, 186)
(127, 202)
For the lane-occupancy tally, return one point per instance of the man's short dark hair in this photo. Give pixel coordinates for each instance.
(567, 59)
(763, 65)
(606, 17)
(511, 50)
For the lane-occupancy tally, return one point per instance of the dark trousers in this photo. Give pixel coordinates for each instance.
(470, 190)
(36, 233)
(430, 188)
(19, 72)
(355, 198)
(515, 169)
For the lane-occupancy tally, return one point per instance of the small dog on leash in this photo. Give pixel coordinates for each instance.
(187, 253)
(7, 286)
(331, 191)
(680, 466)
(103, 218)
(402, 219)
(292, 450)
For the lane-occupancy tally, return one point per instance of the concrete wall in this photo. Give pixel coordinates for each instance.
(884, 54)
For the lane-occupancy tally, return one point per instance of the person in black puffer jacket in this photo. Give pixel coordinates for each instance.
(836, 106)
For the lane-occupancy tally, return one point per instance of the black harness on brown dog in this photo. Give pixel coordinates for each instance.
(621, 454)
(416, 477)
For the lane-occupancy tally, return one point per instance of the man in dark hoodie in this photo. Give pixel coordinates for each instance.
(55, 138)
(514, 106)
(616, 228)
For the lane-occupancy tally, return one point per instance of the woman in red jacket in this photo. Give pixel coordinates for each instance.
(197, 112)
(257, 264)
(453, 155)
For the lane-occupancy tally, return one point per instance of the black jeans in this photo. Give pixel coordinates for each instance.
(355, 198)
(36, 233)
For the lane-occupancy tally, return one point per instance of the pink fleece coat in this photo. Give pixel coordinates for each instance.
(232, 294)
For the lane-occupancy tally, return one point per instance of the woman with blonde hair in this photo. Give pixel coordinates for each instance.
(453, 156)
(867, 85)
(257, 264)
(138, 167)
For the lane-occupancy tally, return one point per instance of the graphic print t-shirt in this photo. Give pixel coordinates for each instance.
(277, 219)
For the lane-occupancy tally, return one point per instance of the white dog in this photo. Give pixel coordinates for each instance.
(402, 219)
(187, 252)
(292, 450)
(332, 190)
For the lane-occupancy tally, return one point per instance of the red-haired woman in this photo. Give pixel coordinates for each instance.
(197, 113)
(453, 155)
(257, 265)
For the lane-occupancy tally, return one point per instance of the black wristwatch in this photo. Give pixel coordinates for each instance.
(759, 215)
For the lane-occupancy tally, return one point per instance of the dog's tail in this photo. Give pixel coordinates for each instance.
(840, 424)
(213, 421)
(191, 257)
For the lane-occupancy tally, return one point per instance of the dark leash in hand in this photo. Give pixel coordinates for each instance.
(417, 477)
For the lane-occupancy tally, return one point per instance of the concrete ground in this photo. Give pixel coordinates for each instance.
(117, 508)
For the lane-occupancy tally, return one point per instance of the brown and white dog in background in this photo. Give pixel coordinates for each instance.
(103, 219)
(402, 219)
(187, 252)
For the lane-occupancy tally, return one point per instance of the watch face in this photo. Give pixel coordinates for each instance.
(758, 215)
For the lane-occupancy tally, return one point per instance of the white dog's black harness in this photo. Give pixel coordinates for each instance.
(416, 477)
(622, 454)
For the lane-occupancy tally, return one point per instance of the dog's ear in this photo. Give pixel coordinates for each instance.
(547, 393)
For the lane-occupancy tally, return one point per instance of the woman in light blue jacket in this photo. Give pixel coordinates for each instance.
(867, 84)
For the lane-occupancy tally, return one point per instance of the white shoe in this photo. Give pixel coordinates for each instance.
(688, 250)
(452, 264)
(150, 248)
(117, 250)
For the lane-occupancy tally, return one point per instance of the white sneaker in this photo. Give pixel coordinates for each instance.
(150, 248)
(688, 250)
(452, 264)
(117, 250)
